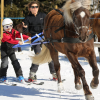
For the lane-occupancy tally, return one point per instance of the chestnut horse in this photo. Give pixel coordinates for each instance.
(71, 35)
(95, 24)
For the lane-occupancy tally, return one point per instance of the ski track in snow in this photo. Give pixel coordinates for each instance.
(47, 91)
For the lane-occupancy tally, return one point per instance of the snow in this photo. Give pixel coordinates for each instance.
(47, 91)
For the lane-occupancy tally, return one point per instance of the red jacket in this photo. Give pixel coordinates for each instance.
(10, 37)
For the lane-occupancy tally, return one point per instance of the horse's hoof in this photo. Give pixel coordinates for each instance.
(89, 97)
(93, 86)
(78, 86)
(60, 87)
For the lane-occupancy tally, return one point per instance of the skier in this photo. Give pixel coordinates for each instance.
(33, 23)
(8, 41)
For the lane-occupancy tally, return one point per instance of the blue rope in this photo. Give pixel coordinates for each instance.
(13, 17)
(24, 17)
(94, 18)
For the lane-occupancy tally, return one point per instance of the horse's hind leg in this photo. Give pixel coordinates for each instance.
(54, 56)
(95, 70)
(78, 84)
(72, 58)
(57, 69)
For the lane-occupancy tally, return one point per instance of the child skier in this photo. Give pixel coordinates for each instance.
(8, 41)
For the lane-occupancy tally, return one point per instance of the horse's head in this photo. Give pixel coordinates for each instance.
(77, 13)
(21, 29)
(81, 23)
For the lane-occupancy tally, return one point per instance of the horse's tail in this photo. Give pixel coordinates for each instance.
(43, 57)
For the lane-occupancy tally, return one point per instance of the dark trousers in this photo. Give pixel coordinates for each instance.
(4, 62)
(34, 67)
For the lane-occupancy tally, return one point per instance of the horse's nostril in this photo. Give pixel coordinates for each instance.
(82, 39)
(87, 36)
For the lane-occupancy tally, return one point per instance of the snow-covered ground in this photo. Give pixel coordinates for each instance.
(47, 91)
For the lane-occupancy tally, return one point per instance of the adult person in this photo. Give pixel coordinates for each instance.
(34, 24)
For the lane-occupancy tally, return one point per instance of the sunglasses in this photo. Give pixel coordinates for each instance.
(7, 26)
(34, 7)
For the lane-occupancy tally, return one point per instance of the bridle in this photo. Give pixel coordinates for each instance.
(78, 28)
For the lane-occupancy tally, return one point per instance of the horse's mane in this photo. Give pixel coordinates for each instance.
(69, 7)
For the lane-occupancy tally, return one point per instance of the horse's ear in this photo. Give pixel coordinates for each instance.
(72, 1)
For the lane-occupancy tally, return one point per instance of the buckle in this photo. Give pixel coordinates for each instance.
(62, 40)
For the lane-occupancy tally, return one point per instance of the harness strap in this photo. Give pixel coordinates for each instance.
(70, 39)
(63, 27)
(59, 29)
(59, 11)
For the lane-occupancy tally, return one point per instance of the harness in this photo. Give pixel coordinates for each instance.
(68, 39)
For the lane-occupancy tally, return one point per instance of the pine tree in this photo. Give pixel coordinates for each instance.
(15, 8)
(18, 8)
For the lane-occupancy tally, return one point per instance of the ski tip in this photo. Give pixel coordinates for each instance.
(63, 80)
(41, 83)
(14, 84)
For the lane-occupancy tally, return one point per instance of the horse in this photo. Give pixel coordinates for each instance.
(68, 31)
(95, 24)
(19, 27)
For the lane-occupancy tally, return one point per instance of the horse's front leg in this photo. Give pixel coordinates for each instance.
(78, 84)
(72, 58)
(95, 70)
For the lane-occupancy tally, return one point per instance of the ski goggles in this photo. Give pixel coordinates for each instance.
(7, 26)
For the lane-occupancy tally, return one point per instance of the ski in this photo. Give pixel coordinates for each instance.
(34, 82)
(9, 83)
(56, 80)
(23, 82)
